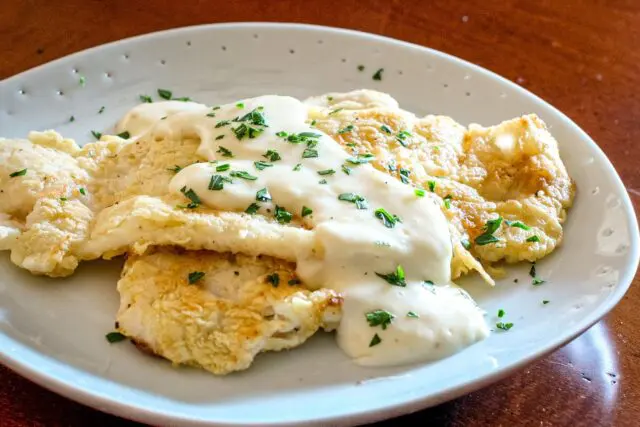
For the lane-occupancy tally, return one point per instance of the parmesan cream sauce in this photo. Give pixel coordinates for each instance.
(430, 321)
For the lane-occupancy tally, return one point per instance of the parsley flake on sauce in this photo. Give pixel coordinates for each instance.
(72, 119)
(243, 174)
(504, 326)
(306, 211)
(545, 301)
(309, 153)
(225, 152)
(327, 172)
(358, 200)
(82, 191)
(114, 337)
(346, 170)
(360, 67)
(192, 196)
(223, 167)
(263, 195)
(361, 159)
(501, 313)
(260, 165)
(83, 81)
(195, 276)
(272, 155)
(375, 340)
(297, 167)
(175, 169)
(447, 201)
(216, 183)
(101, 110)
(253, 208)
(465, 243)
(222, 123)
(21, 172)
(404, 175)
(396, 278)
(145, 98)
(323, 181)
(378, 74)
(387, 219)
(413, 314)
(380, 318)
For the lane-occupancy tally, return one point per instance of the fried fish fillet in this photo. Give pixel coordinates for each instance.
(512, 170)
(240, 306)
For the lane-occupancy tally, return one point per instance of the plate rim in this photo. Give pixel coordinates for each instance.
(137, 412)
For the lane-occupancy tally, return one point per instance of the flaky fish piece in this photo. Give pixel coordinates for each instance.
(511, 172)
(218, 311)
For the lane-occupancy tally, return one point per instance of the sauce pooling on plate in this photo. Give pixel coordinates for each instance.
(386, 248)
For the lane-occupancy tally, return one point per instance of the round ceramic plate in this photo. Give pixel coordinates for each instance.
(52, 331)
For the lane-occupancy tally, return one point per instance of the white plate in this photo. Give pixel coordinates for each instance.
(53, 332)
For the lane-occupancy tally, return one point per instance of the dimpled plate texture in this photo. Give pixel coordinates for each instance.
(52, 331)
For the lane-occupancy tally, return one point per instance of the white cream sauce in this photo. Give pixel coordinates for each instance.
(429, 321)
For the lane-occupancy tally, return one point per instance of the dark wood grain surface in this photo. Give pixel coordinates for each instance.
(581, 56)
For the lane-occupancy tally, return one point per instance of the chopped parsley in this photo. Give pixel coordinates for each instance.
(447, 201)
(387, 219)
(401, 137)
(413, 314)
(545, 301)
(533, 238)
(83, 81)
(211, 114)
(358, 200)
(537, 281)
(501, 313)
(299, 138)
(309, 153)
(240, 105)
(504, 326)
(82, 191)
(72, 119)
(297, 167)
(222, 123)
(346, 169)
(313, 122)
(272, 155)
(532, 270)
(263, 195)
(404, 175)
(345, 129)
(101, 110)
(282, 215)
(432, 186)
(124, 135)
(361, 159)
(114, 337)
(165, 94)
(224, 152)
(395, 278)
(337, 110)
(378, 74)
(380, 318)
(327, 172)
(360, 67)
(175, 169)
(386, 129)
(260, 165)
(253, 124)
(487, 236)
(145, 98)
(253, 208)
(216, 183)
(274, 279)
(223, 167)
(194, 276)
(419, 192)
(306, 211)
(517, 224)
(21, 172)
(322, 181)
(243, 175)
(191, 195)
(96, 134)
(375, 340)
(219, 137)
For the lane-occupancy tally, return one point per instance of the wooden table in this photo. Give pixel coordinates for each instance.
(581, 56)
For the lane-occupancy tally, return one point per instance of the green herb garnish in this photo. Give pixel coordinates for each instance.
(223, 167)
(380, 318)
(253, 208)
(412, 314)
(297, 167)
(504, 326)
(72, 119)
(306, 211)
(346, 169)
(240, 105)
(83, 81)
(395, 278)
(375, 340)
(517, 224)
(378, 74)
(501, 313)
(327, 172)
(263, 195)
(360, 67)
(465, 243)
(359, 201)
(345, 129)
(146, 98)
(194, 276)
(124, 135)
(309, 153)
(537, 281)
(21, 172)
(545, 301)
(274, 279)
(272, 155)
(243, 175)
(114, 337)
(222, 123)
(361, 159)
(419, 192)
(224, 152)
(386, 129)
(337, 110)
(191, 195)
(216, 183)
(260, 165)
(175, 169)
(165, 94)
(282, 215)
(387, 219)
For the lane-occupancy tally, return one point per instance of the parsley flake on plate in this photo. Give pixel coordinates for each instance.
(114, 337)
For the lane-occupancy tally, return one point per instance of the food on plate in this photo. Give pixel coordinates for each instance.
(218, 311)
(363, 202)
